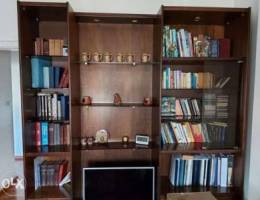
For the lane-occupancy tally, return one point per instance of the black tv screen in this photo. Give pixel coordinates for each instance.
(119, 183)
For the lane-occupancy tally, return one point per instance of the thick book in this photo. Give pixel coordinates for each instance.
(44, 133)
(37, 64)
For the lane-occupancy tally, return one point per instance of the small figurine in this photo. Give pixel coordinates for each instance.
(87, 100)
(83, 141)
(117, 99)
(125, 139)
(147, 101)
(102, 136)
(90, 141)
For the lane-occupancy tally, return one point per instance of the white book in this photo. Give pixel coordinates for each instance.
(66, 179)
(224, 172)
(190, 174)
(225, 82)
(212, 171)
(37, 171)
(177, 132)
(172, 170)
(59, 109)
(46, 77)
(54, 105)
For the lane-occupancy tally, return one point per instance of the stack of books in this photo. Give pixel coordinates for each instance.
(211, 132)
(44, 75)
(49, 172)
(181, 43)
(177, 79)
(52, 106)
(181, 108)
(201, 170)
(222, 106)
(215, 106)
(50, 47)
(51, 133)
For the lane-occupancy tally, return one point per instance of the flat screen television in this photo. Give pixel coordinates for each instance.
(119, 183)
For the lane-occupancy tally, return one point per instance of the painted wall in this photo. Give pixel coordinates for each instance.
(252, 177)
(7, 161)
(8, 12)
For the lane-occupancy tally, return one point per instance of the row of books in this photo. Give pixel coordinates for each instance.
(180, 108)
(202, 170)
(52, 106)
(213, 132)
(49, 172)
(51, 133)
(215, 106)
(181, 43)
(44, 75)
(176, 79)
(211, 106)
(50, 47)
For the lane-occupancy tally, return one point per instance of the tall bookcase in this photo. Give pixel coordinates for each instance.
(131, 34)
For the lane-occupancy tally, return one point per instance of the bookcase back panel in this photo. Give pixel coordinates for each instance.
(102, 82)
(116, 38)
(53, 30)
(117, 121)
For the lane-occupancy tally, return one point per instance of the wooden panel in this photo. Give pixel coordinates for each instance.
(116, 18)
(118, 121)
(53, 30)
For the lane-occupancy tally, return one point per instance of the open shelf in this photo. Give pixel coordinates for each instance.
(55, 150)
(50, 192)
(197, 148)
(196, 60)
(218, 192)
(117, 145)
(117, 63)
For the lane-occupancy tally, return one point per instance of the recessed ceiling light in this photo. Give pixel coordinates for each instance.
(197, 18)
(134, 20)
(96, 20)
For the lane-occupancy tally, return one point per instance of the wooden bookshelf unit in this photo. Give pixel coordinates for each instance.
(131, 34)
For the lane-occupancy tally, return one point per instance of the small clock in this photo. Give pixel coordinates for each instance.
(142, 139)
(101, 136)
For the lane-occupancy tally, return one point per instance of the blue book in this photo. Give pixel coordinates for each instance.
(46, 77)
(51, 77)
(175, 43)
(44, 132)
(37, 64)
(182, 172)
(214, 48)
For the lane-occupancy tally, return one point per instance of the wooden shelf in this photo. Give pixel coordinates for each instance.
(197, 148)
(196, 92)
(117, 145)
(133, 105)
(196, 60)
(48, 90)
(219, 192)
(55, 150)
(58, 57)
(118, 63)
(60, 121)
(192, 119)
(50, 192)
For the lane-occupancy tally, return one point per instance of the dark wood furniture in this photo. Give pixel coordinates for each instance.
(137, 34)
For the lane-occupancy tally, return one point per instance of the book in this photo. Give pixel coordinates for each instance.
(37, 65)
(200, 170)
(224, 47)
(44, 133)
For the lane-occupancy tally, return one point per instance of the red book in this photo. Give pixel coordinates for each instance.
(224, 48)
(62, 170)
(38, 133)
(197, 135)
(62, 80)
(66, 81)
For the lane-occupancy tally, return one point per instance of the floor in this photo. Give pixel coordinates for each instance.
(12, 194)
